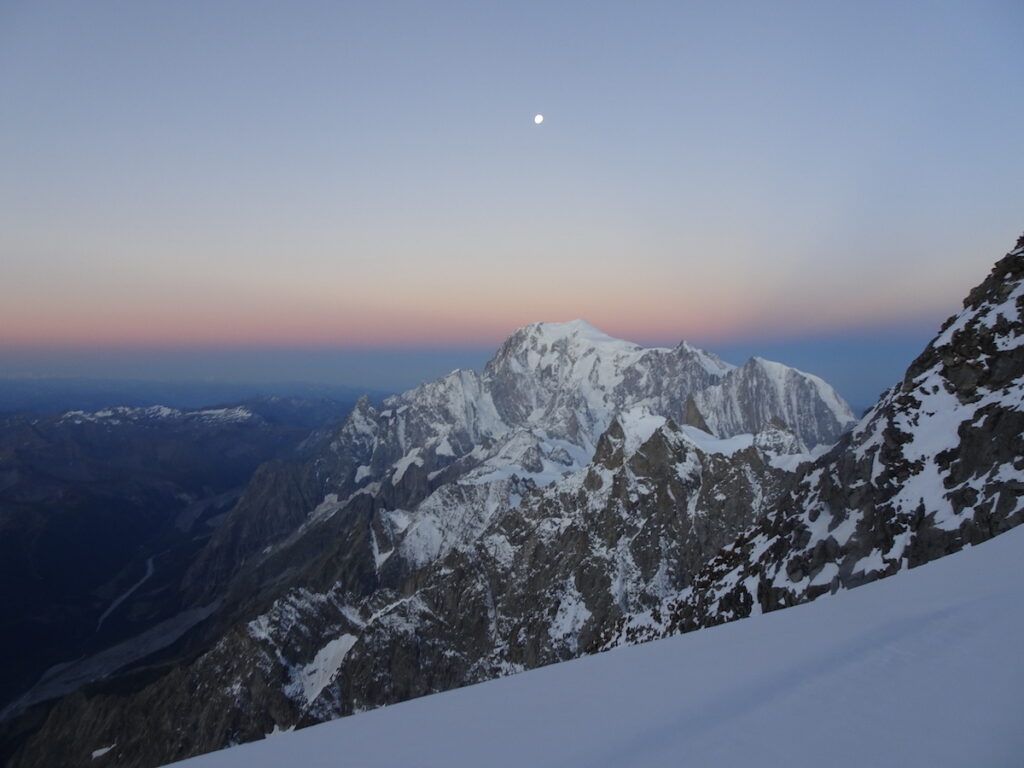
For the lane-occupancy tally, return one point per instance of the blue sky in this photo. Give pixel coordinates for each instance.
(367, 176)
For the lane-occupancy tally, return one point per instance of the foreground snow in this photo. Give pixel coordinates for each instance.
(922, 668)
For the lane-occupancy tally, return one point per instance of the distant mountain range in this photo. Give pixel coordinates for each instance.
(54, 395)
(580, 493)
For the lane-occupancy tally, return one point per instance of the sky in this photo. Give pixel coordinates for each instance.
(270, 181)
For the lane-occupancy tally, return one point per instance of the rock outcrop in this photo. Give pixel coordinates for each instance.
(936, 465)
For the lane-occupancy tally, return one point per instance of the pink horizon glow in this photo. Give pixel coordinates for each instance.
(422, 331)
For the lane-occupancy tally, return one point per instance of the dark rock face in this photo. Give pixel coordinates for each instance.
(693, 417)
(271, 507)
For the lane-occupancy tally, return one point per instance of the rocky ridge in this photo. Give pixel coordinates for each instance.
(936, 465)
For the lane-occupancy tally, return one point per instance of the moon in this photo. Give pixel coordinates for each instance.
(538, 119)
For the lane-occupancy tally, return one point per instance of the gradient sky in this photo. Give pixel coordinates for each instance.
(257, 175)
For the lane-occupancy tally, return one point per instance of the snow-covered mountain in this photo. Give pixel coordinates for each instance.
(761, 391)
(934, 466)
(497, 521)
(543, 401)
(157, 413)
(579, 494)
(535, 413)
(539, 407)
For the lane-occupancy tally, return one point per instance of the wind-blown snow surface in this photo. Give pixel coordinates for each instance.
(922, 668)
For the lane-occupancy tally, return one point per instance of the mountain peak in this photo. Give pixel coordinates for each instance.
(569, 326)
(538, 346)
(577, 330)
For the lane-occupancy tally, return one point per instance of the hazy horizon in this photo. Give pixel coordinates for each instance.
(860, 365)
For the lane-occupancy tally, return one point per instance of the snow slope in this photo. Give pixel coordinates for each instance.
(922, 668)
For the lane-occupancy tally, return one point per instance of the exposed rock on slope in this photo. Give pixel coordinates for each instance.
(936, 465)
(536, 583)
